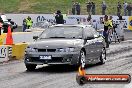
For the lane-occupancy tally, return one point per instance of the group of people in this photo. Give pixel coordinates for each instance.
(91, 8)
(109, 28)
(127, 7)
(27, 23)
(76, 8)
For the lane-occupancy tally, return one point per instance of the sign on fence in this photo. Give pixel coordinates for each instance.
(69, 19)
(5, 52)
(130, 23)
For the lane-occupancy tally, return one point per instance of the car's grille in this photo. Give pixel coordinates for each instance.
(46, 50)
(41, 50)
(51, 50)
(54, 59)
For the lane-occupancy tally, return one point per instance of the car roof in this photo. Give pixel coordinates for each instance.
(72, 25)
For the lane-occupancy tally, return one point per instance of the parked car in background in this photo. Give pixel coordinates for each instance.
(66, 44)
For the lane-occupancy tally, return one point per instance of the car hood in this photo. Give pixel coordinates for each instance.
(57, 43)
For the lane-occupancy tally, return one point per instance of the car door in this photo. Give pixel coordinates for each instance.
(89, 45)
(98, 41)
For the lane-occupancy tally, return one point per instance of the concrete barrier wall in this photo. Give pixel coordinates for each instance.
(18, 50)
(5, 52)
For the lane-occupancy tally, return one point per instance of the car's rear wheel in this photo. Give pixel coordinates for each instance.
(30, 67)
(82, 58)
(80, 80)
(103, 56)
(122, 39)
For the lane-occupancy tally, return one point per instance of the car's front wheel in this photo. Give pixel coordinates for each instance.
(82, 58)
(103, 56)
(122, 39)
(30, 67)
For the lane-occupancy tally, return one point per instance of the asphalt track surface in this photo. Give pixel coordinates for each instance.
(119, 61)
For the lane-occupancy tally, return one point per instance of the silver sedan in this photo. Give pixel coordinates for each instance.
(66, 44)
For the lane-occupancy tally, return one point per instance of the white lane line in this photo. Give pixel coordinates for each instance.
(127, 41)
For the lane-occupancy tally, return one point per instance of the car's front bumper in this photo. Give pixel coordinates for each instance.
(71, 58)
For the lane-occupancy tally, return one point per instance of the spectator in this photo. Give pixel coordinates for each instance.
(129, 7)
(24, 26)
(89, 20)
(74, 8)
(93, 8)
(119, 9)
(89, 5)
(103, 7)
(1, 23)
(5, 27)
(59, 18)
(29, 22)
(12, 24)
(78, 9)
(106, 29)
(125, 8)
(4, 18)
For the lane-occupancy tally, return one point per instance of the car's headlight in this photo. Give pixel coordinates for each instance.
(71, 49)
(29, 49)
(60, 50)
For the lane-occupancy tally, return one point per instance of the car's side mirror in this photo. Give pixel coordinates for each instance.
(35, 37)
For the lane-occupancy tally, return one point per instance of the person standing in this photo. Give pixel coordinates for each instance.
(89, 20)
(129, 7)
(29, 22)
(1, 24)
(5, 23)
(24, 26)
(89, 5)
(78, 9)
(74, 8)
(59, 17)
(4, 18)
(119, 9)
(106, 30)
(103, 7)
(93, 8)
(125, 8)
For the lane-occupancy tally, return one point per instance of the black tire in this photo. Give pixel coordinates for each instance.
(30, 67)
(122, 39)
(115, 37)
(102, 57)
(81, 80)
(82, 58)
(119, 40)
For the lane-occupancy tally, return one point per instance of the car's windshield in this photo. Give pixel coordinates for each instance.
(62, 32)
(44, 24)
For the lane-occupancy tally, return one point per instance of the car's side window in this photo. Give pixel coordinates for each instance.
(95, 33)
(88, 32)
